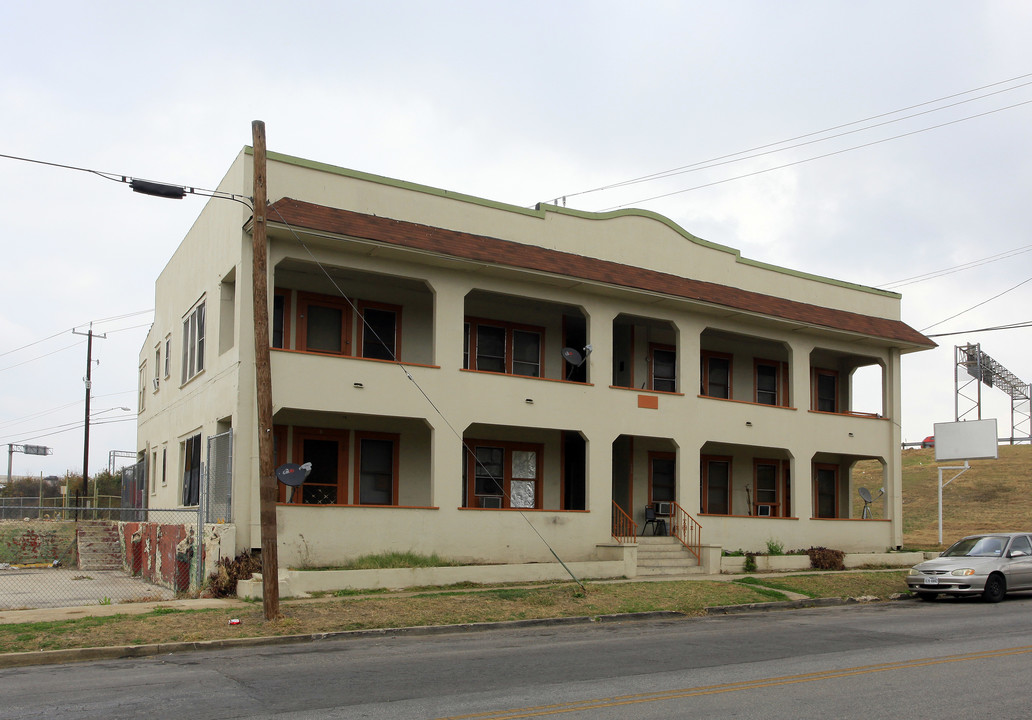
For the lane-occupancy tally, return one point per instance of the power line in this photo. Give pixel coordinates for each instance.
(1012, 326)
(734, 157)
(68, 330)
(956, 268)
(816, 157)
(962, 312)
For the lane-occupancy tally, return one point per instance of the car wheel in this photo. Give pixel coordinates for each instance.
(995, 588)
(927, 596)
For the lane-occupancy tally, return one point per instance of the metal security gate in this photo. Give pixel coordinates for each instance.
(217, 492)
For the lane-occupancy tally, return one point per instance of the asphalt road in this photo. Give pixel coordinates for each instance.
(913, 659)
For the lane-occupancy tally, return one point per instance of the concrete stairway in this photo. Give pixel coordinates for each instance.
(664, 556)
(99, 548)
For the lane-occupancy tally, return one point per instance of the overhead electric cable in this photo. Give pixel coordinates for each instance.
(816, 157)
(1012, 326)
(713, 162)
(956, 268)
(951, 317)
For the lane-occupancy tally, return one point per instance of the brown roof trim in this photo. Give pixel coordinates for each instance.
(530, 257)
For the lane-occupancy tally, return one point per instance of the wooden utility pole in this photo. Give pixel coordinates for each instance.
(263, 382)
(86, 425)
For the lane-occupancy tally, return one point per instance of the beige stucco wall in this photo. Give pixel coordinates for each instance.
(435, 297)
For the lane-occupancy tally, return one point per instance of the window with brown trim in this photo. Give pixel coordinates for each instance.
(379, 331)
(716, 375)
(663, 368)
(503, 474)
(281, 318)
(771, 382)
(826, 490)
(662, 476)
(767, 488)
(495, 346)
(324, 324)
(376, 468)
(825, 390)
(327, 450)
(716, 485)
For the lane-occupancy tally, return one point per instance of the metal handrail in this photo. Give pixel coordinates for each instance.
(686, 529)
(624, 528)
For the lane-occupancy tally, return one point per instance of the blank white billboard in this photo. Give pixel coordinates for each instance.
(971, 440)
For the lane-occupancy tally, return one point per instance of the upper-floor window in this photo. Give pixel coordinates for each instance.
(379, 331)
(716, 375)
(771, 382)
(324, 324)
(142, 391)
(168, 356)
(825, 390)
(663, 368)
(193, 342)
(495, 346)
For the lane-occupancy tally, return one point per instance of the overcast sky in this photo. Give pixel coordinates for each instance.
(519, 103)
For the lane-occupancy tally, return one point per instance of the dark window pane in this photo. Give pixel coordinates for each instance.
(526, 353)
(278, 304)
(766, 484)
(826, 493)
(325, 329)
(378, 334)
(490, 348)
(719, 377)
(664, 363)
(489, 471)
(827, 391)
(717, 478)
(320, 487)
(376, 474)
(663, 478)
(767, 384)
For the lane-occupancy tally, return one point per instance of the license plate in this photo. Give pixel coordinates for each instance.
(931, 581)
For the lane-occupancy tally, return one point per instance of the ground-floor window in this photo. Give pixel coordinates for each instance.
(826, 491)
(770, 488)
(716, 485)
(662, 477)
(191, 454)
(503, 474)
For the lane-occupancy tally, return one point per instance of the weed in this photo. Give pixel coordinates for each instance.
(105, 600)
(775, 547)
(750, 562)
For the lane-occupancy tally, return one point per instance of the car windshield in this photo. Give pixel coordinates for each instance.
(981, 546)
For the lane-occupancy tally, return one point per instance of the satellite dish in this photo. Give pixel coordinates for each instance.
(573, 356)
(865, 495)
(293, 475)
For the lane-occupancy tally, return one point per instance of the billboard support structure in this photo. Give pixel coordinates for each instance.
(975, 368)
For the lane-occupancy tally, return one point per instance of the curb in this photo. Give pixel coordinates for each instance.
(119, 652)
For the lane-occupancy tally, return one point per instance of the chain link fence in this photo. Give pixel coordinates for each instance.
(104, 556)
(116, 550)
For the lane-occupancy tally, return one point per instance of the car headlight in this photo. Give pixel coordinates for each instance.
(915, 571)
(963, 571)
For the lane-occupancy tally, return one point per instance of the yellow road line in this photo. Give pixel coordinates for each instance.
(599, 703)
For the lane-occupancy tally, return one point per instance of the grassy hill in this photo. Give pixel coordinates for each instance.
(992, 495)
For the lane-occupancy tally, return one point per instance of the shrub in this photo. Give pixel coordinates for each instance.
(822, 558)
(223, 582)
(750, 562)
(775, 547)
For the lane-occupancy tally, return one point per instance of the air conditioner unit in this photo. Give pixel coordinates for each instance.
(764, 510)
(662, 508)
(156, 383)
(491, 501)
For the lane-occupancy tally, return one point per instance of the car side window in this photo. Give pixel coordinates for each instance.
(1021, 544)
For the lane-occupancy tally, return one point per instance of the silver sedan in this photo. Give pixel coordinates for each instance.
(989, 565)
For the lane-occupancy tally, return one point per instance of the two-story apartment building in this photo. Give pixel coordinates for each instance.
(421, 362)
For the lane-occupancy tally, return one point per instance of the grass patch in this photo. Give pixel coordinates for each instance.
(390, 561)
(448, 608)
(840, 584)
